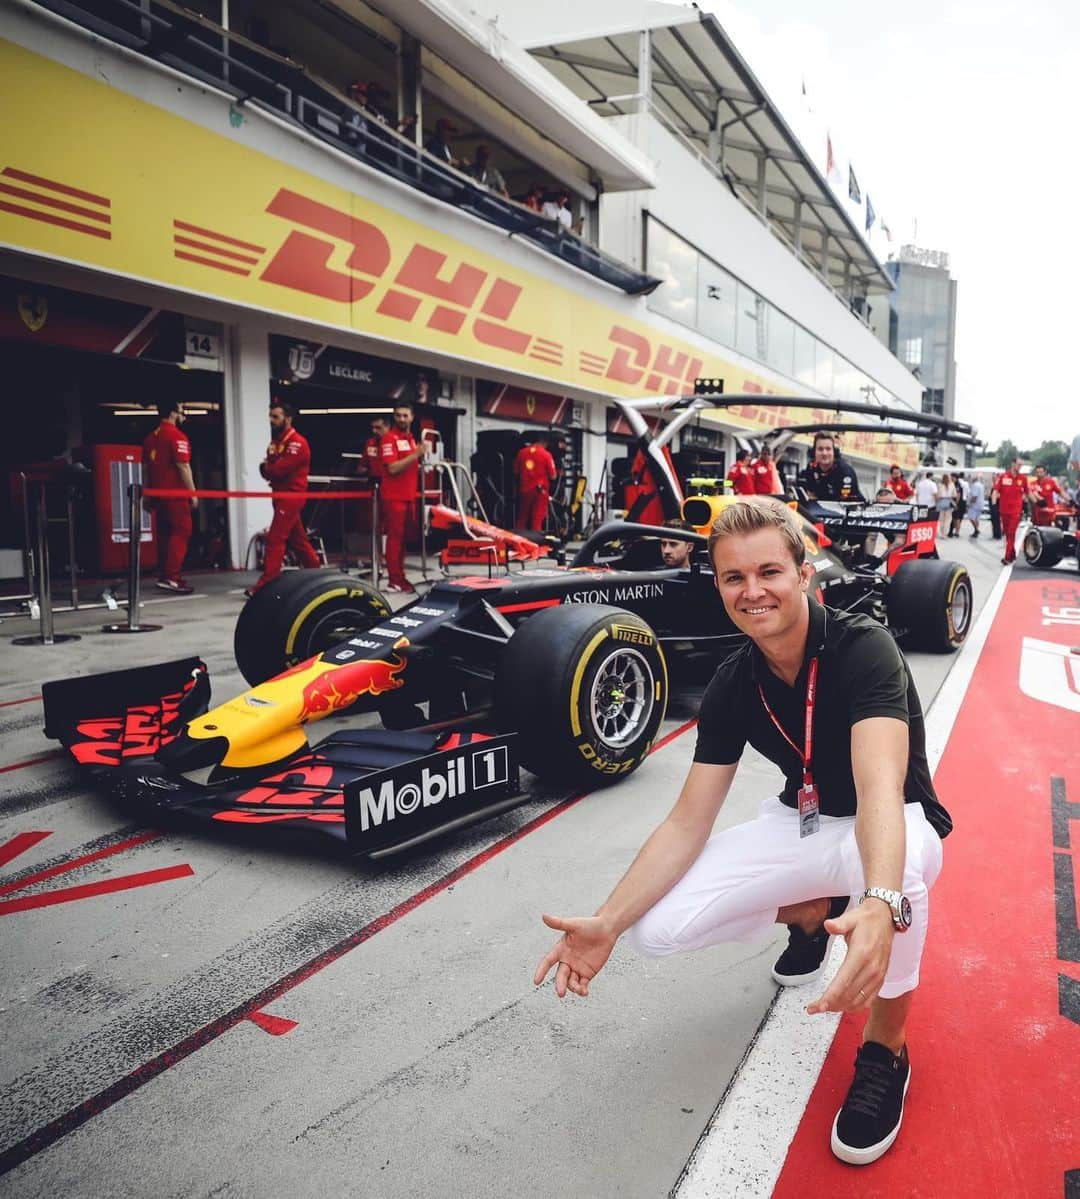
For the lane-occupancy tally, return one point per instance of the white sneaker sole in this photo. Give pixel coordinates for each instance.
(798, 980)
(863, 1157)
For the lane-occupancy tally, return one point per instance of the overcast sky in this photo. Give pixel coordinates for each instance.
(960, 115)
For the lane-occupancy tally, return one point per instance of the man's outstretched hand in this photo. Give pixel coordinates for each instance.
(580, 953)
(868, 930)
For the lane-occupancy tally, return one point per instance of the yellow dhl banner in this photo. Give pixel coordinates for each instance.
(95, 176)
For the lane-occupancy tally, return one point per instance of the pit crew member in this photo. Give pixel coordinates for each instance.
(828, 697)
(286, 465)
(674, 552)
(1009, 490)
(740, 478)
(167, 457)
(901, 488)
(401, 457)
(534, 469)
(764, 473)
(829, 477)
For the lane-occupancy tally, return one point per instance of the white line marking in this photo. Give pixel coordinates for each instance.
(743, 1148)
(121, 346)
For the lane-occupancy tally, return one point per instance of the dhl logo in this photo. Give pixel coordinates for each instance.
(336, 256)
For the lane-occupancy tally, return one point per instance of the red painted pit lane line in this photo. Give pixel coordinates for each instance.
(18, 845)
(125, 882)
(53, 753)
(50, 1133)
(994, 1038)
(30, 699)
(63, 867)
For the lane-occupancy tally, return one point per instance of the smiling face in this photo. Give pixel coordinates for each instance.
(763, 590)
(824, 453)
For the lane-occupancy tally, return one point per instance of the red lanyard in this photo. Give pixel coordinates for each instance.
(811, 698)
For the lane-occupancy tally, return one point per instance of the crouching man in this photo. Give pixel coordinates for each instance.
(851, 846)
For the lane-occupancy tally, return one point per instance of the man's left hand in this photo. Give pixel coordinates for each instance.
(868, 930)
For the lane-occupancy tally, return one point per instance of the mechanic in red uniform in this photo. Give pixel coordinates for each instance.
(534, 469)
(1045, 488)
(1009, 490)
(167, 458)
(401, 458)
(371, 464)
(765, 476)
(900, 487)
(288, 458)
(740, 476)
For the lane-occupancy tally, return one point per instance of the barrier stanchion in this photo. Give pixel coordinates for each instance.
(47, 635)
(376, 538)
(132, 624)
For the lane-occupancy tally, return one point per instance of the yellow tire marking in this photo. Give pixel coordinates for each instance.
(294, 631)
(575, 690)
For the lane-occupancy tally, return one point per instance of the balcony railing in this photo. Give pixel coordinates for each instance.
(254, 75)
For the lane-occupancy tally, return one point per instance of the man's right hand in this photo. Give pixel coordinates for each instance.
(580, 953)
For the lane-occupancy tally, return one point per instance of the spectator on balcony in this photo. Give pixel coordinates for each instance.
(354, 125)
(487, 175)
(438, 145)
(556, 208)
(534, 198)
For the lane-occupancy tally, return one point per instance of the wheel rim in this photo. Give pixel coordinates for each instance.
(336, 627)
(1032, 546)
(622, 698)
(960, 608)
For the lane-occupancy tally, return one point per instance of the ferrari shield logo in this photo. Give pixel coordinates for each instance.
(34, 309)
(530, 404)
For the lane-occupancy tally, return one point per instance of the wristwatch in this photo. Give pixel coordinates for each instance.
(899, 905)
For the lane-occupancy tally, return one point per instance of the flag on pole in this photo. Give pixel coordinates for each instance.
(830, 161)
(853, 185)
(871, 215)
(886, 230)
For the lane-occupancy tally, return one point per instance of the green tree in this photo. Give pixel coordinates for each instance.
(1006, 452)
(1054, 455)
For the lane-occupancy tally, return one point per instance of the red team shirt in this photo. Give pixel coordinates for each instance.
(288, 462)
(1011, 489)
(373, 459)
(742, 479)
(1045, 489)
(162, 451)
(901, 488)
(534, 467)
(396, 445)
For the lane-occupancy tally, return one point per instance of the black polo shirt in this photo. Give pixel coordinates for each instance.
(861, 673)
(839, 483)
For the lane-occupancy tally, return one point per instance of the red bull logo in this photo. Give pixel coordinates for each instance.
(342, 686)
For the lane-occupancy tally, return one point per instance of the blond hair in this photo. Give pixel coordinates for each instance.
(750, 515)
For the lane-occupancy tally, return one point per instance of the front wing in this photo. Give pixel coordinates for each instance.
(372, 790)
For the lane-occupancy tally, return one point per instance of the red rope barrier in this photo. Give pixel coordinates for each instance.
(180, 493)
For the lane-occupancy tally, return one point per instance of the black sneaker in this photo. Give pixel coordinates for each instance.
(805, 955)
(866, 1126)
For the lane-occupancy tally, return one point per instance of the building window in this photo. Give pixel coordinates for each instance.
(717, 302)
(675, 263)
(911, 352)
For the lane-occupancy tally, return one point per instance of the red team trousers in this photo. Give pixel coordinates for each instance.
(287, 528)
(399, 519)
(1009, 523)
(532, 508)
(174, 533)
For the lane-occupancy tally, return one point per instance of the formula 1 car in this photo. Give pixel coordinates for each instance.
(562, 671)
(1046, 545)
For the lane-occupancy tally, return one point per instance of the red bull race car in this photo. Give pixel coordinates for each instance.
(563, 671)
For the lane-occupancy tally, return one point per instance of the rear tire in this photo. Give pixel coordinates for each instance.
(300, 614)
(1043, 546)
(585, 687)
(930, 605)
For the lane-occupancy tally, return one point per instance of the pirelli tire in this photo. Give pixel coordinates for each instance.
(585, 686)
(931, 604)
(1043, 546)
(298, 615)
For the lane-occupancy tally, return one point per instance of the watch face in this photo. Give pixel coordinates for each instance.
(905, 911)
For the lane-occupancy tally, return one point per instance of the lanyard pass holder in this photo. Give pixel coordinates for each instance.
(809, 807)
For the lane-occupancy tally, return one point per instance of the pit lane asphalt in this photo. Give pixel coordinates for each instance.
(422, 1061)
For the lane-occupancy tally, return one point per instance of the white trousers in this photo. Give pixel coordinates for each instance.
(747, 872)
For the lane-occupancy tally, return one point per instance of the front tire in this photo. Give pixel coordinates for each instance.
(585, 687)
(1043, 546)
(930, 605)
(300, 614)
